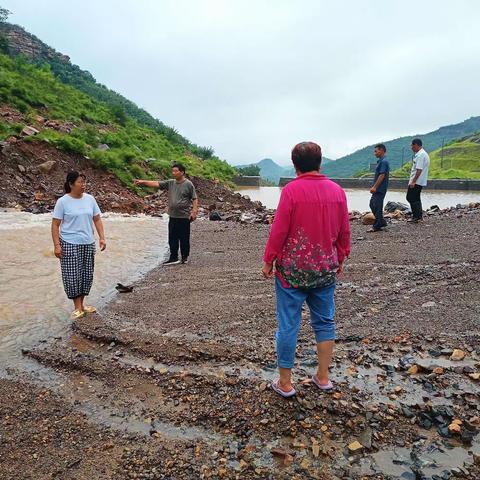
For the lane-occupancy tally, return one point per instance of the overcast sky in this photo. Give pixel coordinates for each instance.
(253, 77)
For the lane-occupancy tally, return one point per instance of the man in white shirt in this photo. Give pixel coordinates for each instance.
(418, 179)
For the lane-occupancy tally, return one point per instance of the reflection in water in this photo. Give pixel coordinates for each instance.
(359, 199)
(33, 304)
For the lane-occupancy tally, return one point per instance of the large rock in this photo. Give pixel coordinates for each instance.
(390, 207)
(48, 166)
(368, 219)
(103, 147)
(215, 217)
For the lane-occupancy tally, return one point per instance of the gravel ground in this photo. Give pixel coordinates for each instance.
(172, 380)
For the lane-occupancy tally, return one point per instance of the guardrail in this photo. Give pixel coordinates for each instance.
(401, 183)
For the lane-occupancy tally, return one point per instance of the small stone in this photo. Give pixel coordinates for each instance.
(21, 168)
(413, 370)
(454, 428)
(438, 370)
(263, 386)
(428, 304)
(29, 131)
(47, 167)
(316, 450)
(474, 376)
(457, 355)
(397, 389)
(355, 446)
(288, 460)
(305, 464)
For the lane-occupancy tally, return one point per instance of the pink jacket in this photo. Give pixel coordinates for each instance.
(310, 234)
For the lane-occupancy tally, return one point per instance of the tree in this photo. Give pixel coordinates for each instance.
(4, 13)
(249, 171)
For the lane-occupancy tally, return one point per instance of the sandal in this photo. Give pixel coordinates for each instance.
(326, 387)
(76, 314)
(89, 309)
(276, 388)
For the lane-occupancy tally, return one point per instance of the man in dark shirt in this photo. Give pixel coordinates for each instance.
(379, 188)
(182, 209)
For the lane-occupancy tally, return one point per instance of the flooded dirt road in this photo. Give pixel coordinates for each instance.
(33, 305)
(172, 380)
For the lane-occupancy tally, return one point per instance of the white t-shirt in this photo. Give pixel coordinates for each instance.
(76, 215)
(421, 161)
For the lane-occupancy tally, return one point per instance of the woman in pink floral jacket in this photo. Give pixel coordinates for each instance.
(308, 243)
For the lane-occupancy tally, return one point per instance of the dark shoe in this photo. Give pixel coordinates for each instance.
(124, 288)
(171, 261)
(184, 260)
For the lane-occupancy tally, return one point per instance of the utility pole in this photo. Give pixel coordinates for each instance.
(403, 154)
(441, 154)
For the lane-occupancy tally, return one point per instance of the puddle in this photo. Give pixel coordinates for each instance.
(433, 461)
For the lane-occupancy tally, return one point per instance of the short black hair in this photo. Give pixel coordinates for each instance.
(417, 141)
(381, 146)
(180, 166)
(307, 156)
(71, 179)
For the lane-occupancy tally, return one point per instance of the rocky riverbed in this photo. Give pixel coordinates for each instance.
(171, 381)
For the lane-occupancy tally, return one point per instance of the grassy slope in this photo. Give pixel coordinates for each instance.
(84, 81)
(358, 161)
(461, 160)
(34, 90)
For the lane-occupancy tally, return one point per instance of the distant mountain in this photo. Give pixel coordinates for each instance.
(359, 161)
(460, 159)
(273, 171)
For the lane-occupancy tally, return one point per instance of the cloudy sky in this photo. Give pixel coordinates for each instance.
(253, 77)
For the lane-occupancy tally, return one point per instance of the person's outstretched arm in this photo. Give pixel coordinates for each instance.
(146, 183)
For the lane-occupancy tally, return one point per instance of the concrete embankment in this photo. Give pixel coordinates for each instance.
(399, 183)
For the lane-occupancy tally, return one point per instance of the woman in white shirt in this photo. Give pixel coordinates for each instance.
(74, 242)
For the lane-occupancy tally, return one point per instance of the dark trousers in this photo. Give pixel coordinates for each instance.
(415, 201)
(376, 206)
(179, 233)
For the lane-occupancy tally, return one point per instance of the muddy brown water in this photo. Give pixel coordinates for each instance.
(33, 305)
(359, 199)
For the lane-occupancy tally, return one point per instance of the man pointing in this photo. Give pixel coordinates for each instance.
(182, 209)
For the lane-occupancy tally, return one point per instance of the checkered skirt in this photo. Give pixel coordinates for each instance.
(77, 263)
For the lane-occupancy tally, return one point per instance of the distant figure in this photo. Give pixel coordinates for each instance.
(309, 241)
(418, 179)
(74, 242)
(380, 187)
(182, 209)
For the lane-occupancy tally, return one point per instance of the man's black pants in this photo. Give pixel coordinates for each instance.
(415, 201)
(179, 233)
(376, 206)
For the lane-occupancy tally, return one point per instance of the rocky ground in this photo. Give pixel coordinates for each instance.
(171, 381)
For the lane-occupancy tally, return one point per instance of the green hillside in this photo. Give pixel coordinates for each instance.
(134, 150)
(461, 159)
(359, 161)
(15, 40)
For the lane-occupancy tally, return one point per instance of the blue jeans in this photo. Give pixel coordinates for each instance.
(376, 206)
(321, 302)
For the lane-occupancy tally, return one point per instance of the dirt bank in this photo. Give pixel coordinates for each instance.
(175, 375)
(32, 174)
